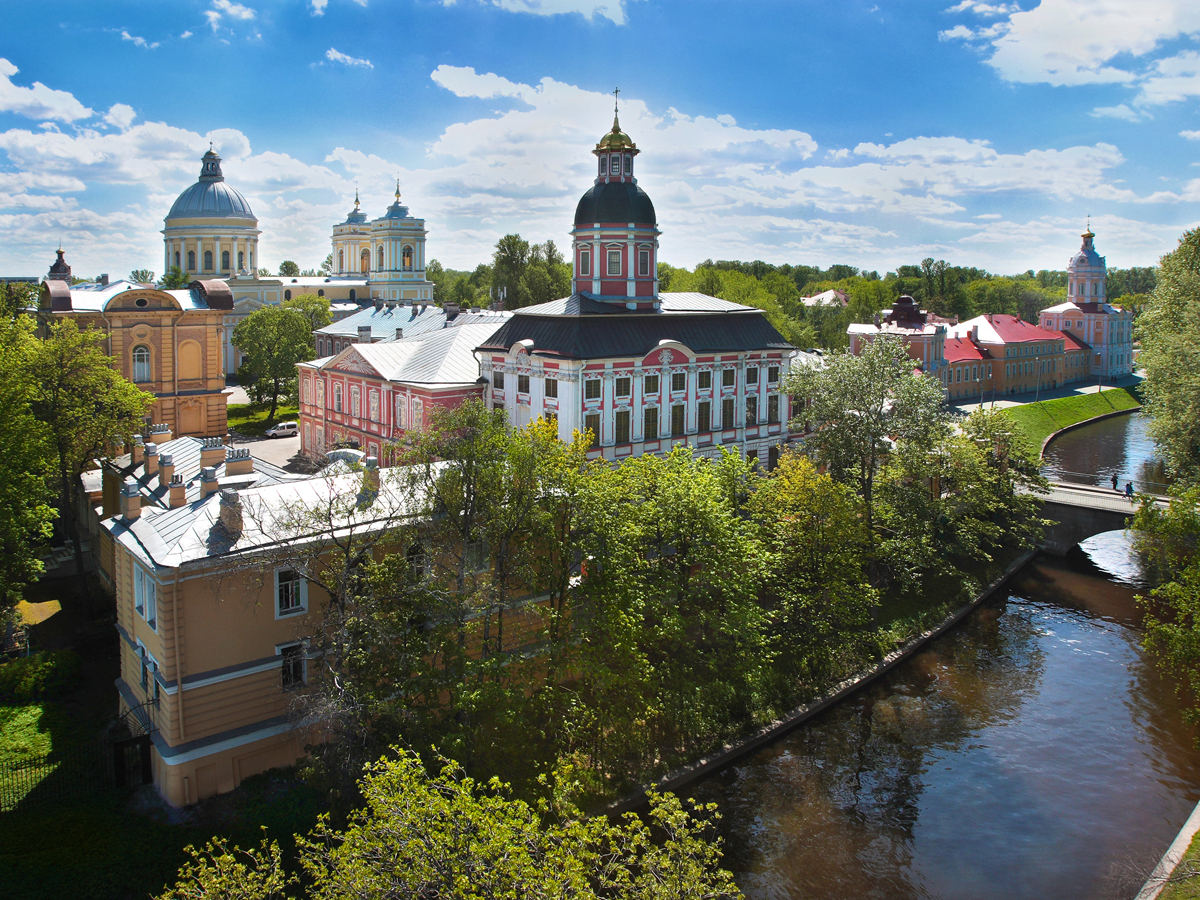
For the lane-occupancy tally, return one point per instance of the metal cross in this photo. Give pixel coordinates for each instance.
(616, 92)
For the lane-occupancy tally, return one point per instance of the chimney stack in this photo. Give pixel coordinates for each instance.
(131, 501)
(139, 450)
(231, 512)
(151, 459)
(161, 433)
(399, 333)
(178, 492)
(103, 279)
(452, 311)
(208, 481)
(975, 334)
(212, 451)
(239, 461)
(166, 469)
(364, 334)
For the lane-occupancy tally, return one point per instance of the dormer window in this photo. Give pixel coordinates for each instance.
(604, 165)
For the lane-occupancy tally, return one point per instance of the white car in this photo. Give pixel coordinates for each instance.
(283, 429)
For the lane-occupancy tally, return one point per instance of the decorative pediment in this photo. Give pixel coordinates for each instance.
(351, 361)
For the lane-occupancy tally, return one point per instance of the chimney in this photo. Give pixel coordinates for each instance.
(364, 334)
(103, 279)
(378, 304)
(178, 492)
(139, 450)
(399, 333)
(166, 469)
(452, 311)
(238, 462)
(131, 501)
(371, 474)
(208, 481)
(975, 334)
(151, 459)
(161, 433)
(212, 451)
(231, 511)
(474, 309)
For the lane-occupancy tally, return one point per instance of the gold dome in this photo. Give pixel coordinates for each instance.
(616, 139)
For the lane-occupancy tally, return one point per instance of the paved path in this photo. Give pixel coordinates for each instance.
(1003, 401)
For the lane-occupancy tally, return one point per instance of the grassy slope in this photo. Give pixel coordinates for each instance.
(250, 419)
(1190, 889)
(1037, 421)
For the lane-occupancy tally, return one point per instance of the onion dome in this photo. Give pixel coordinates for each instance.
(616, 139)
(210, 197)
(615, 201)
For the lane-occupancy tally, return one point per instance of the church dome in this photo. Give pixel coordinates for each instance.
(615, 201)
(1086, 257)
(211, 197)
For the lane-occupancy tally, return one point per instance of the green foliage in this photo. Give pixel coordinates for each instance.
(273, 339)
(528, 274)
(175, 279)
(326, 267)
(450, 837)
(313, 307)
(85, 407)
(45, 674)
(288, 269)
(1169, 330)
(1037, 421)
(17, 296)
(252, 419)
(141, 276)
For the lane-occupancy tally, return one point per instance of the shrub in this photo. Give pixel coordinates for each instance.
(44, 674)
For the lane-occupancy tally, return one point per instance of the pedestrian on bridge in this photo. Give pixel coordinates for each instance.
(1129, 489)
(1114, 481)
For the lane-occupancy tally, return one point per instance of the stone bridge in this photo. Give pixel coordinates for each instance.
(1079, 511)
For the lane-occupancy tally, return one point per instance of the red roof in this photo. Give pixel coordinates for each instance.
(1013, 330)
(962, 350)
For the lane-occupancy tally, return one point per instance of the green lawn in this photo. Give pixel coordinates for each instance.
(1037, 421)
(1188, 889)
(250, 419)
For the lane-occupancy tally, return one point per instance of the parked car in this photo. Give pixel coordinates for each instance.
(283, 429)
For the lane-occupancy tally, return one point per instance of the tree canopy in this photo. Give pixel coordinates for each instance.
(288, 269)
(313, 307)
(273, 339)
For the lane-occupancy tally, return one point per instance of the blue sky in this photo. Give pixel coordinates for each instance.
(865, 132)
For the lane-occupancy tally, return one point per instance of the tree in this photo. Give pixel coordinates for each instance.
(17, 297)
(509, 262)
(87, 408)
(141, 276)
(288, 269)
(175, 279)
(447, 836)
(313, 307)
(1169, 329)
(326, 267)
(274, 340)
(25, 465)
(861, 406)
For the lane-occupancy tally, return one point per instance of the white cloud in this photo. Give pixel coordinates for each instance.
(464, 81)
(319, 6)
(234, 10)
(334, 56)
(120, 116)
(1120, 111)
(214, 19)
(185, 35)
(138, 41)
(985, 9)
(1190, 135)
(608, 9)
(1172, 79)
(38, 101)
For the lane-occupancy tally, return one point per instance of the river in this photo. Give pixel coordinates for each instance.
(1033, 752)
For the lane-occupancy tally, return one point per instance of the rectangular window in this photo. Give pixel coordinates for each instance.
(591, 389)
(293, 664)
(728, 377)
(704, 417)
(704, 380)
(644, 263)
(355, 401)
(552, 387)
(752, 376)
(650, 384)
(400, 412)
(290, 593)
(773, 409)
(498, 380)
(727, 413)
(614, 262)
(678, 382)
(475, 557)
(374, 406)
(650, 424)
(622, 436)
(337, 398)
(320, 393)
(628, 164)
(751, 410)
(522, 384)
(772, 374)
(604, 165)
(592, 423)
(145, 599)
(624, 386)
(677, 420)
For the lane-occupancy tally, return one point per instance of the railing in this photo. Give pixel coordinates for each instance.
(1136, 481)
(76, 772)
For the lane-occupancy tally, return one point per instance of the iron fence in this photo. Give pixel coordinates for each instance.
(74, 772)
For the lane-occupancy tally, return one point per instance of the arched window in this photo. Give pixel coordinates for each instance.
(380, 266)
(191, 260)
(141, 363)
(337, 398)
(241, 260)
(341, 260)
(207, 260)
(191, 361)
(287, 295)
(406, 256)
(224, 260)
(365, 261)
(176, 257)
(321, 292)
(353, 294)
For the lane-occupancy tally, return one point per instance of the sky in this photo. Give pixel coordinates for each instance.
(864, 132)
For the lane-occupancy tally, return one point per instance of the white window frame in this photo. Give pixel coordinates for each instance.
(476, 557)
(585, 262)
(373, 405)
(614, 255)
(301, 606)
(337, 398)
(145, 603)
(355, 402)
(148, 667)
(587, 388)
(643, 263)
(142, 367)
(400, 409)
(282, 650)
(551, 388)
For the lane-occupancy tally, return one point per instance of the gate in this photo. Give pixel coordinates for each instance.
(131, 762)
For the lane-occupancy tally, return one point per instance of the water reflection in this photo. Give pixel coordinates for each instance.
(1019, 756)
(1094, 453)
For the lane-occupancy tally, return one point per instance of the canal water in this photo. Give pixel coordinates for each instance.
(1093, 453)
(1033, 752)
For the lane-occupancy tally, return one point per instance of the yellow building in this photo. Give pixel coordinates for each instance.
(168, 343)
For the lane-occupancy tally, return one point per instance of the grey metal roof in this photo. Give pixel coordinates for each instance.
(210, 200)
(615, 202)
(415, 320)
(584, 304)
(93, 297)
(432, 358)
